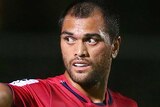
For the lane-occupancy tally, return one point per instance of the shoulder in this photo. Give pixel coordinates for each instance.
(34, 84)
(28, 90)
(5, 96)
(29, 86)
(56, 79)
(121, 99)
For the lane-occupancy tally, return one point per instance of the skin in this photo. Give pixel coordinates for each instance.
(87, 55)
(5, 96)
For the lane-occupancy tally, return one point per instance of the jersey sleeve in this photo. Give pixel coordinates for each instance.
(23, 92)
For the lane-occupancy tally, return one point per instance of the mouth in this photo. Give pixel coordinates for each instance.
(81, 65)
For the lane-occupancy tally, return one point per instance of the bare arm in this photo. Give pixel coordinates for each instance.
(5, 96)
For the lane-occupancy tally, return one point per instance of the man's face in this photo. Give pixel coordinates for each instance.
(86, 55)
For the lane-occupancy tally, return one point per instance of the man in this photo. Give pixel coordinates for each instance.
(89, 41)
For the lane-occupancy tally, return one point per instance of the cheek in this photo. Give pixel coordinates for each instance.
(101, 52)
(66, 53)
(65, 57)
(63, 51)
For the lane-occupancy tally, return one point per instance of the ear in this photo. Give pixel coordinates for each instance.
(115, 46)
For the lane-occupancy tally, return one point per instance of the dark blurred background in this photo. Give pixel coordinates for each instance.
(29, 45)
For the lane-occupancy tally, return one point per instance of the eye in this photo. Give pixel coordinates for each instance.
(69, 39)
(92, 41)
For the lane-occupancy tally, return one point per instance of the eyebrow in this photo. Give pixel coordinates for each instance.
(65, 32)
(87, 35)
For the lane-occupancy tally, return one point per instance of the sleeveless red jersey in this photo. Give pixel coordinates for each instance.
(58, 92)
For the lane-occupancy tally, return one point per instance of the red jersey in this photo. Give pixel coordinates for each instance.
(58, 92)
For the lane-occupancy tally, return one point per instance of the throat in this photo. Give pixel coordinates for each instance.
(96, 93)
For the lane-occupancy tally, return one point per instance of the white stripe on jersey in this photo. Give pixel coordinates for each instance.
(23, 82)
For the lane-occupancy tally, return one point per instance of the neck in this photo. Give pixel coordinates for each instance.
(96, 93)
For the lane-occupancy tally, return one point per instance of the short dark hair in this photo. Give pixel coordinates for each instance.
(85, 8)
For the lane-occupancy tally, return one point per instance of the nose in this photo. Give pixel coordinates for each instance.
(81, 50)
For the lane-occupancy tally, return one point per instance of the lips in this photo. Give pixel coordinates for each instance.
(81, 64)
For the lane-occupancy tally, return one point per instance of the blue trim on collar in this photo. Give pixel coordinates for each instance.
(84, 100)
(110, 100)
(73, 92)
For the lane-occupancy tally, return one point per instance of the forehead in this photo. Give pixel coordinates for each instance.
(92, 23)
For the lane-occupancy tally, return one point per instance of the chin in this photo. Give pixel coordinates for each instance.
(84, 79)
